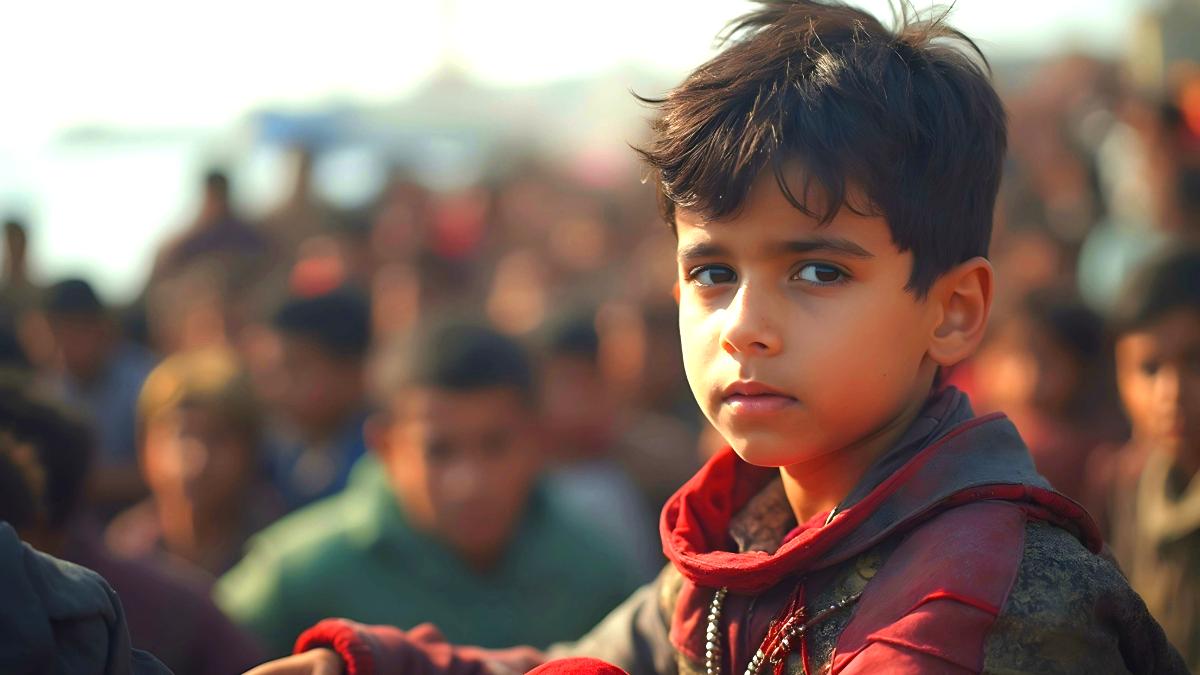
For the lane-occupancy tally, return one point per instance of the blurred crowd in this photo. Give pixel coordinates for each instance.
(428, 409)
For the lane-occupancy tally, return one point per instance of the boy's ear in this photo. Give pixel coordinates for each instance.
(964, 297)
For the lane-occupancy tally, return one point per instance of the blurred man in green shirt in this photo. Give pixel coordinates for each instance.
(446, 522)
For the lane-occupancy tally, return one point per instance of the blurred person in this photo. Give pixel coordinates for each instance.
(167, 607)
(1155, 486)
(662, 421)
(102, 374)
(56, 617)
(519, 291)
(639, 365)
(324, 343)
(302, 214)
(445, 522)
(14, 362)
(1151, 165)
(21, 298)
(1043, 368)
(216, 233)
(200, 451)
(18, 293)
(582, 419)
(191, 310)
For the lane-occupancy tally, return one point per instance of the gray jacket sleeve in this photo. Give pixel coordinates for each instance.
(634, 636)
(1071, 611)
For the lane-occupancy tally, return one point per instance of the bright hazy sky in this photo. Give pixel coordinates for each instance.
(144, 64)
(138, 62)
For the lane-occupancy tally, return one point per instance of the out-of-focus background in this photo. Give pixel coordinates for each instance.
(114, 111)
(257, 201)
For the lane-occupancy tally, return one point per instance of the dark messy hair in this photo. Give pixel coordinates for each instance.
(1167, 281)
(338, 321)
(573, 334)
(906, 116)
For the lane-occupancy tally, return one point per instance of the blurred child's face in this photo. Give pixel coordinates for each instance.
(798, 339)
(1158, 374)
(1026, 368)
(463, 464)
(195, 455)
(317, 389)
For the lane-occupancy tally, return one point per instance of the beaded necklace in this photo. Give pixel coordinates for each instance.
(785, 630)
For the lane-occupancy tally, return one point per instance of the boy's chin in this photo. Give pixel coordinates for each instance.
(771, 455)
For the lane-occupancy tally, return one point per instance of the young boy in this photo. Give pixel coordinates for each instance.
(449, 524)
(102, 373)
(325, 340)
(831, 185)
(200, 444)
(1155, 505)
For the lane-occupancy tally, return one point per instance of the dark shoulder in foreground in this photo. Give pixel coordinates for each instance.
(60, 617)
(1072, 611)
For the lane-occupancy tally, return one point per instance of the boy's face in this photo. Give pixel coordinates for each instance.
(799, 339)
(194, 455)
(1158, 374)
(463, 464)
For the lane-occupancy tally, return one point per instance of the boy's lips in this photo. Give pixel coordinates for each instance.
(755, 398)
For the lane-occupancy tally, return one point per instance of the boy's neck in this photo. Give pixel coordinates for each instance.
(819, 485)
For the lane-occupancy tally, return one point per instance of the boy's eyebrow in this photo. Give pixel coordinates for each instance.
(830, 244)
(706, 249)
(701, 249)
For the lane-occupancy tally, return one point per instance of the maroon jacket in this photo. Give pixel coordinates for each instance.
(951, 556)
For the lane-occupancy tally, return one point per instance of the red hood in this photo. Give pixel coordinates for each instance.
(947, 458)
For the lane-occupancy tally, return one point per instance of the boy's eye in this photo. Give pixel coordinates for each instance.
(1150, 368)
(820, 274)
(711, 275)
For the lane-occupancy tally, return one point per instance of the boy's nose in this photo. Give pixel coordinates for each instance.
(750, 325)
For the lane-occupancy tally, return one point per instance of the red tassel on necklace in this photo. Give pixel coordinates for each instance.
(778, 642)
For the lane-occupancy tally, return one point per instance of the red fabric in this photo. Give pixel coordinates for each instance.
(577, 667)
(695, 522)
(939, 592)
(371, 650)
(880, 658)
(341, 637)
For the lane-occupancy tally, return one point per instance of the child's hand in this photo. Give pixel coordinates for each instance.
(312, 662)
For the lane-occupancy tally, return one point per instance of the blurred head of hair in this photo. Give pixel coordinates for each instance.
(22, 483)
(325, 340)
(54, 446)
(578, 410)
(199, 431)
(83, 330)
